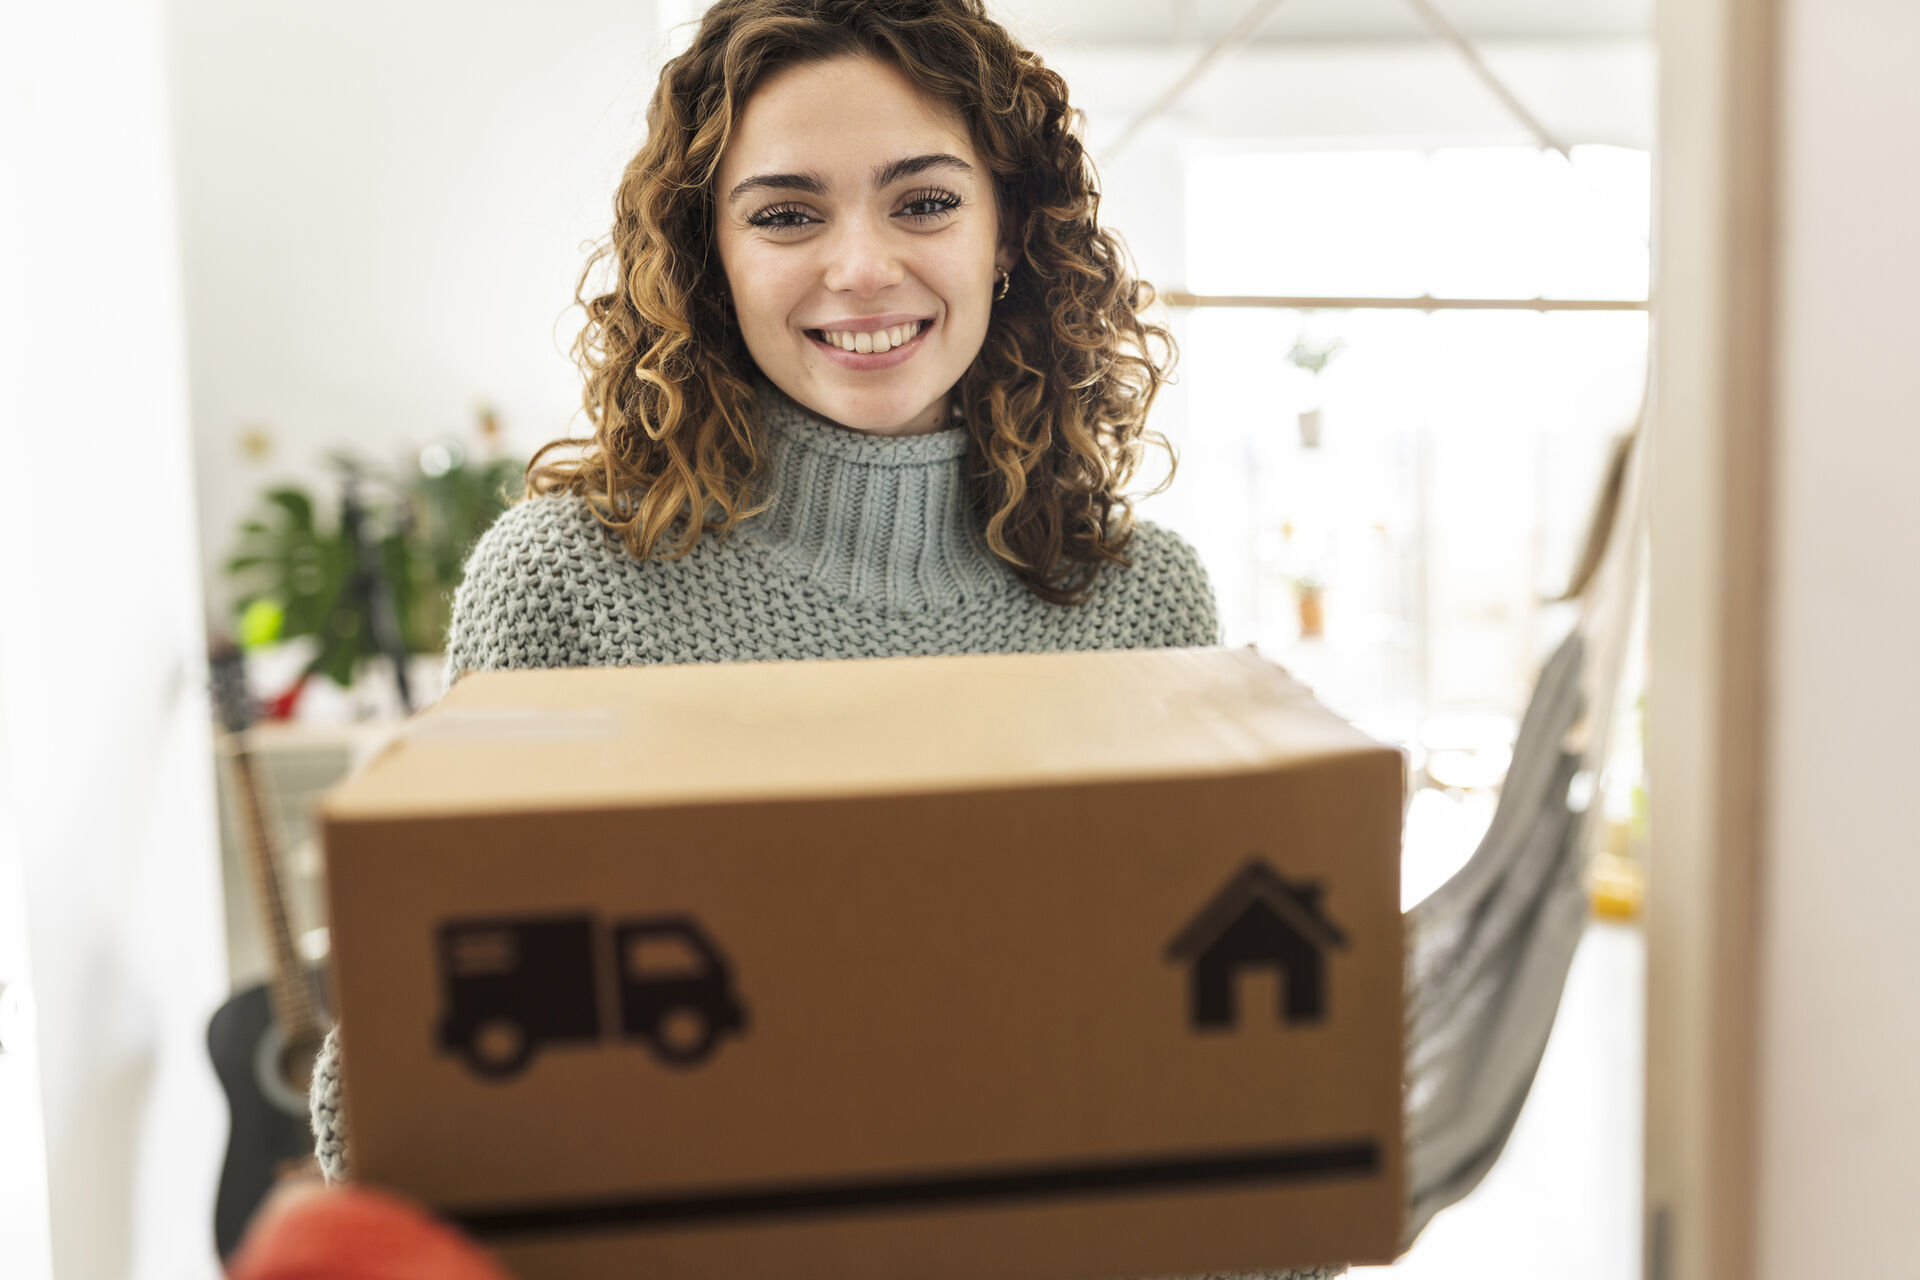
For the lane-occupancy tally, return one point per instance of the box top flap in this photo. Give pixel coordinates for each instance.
(506, 741)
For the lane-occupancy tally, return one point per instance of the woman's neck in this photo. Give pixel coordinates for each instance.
(879, 518)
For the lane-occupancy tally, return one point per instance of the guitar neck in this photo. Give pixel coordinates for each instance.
(288, 988)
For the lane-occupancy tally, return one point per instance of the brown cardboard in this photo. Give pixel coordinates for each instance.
(948, 918)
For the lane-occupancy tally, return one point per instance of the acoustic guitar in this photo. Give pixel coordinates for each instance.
(265, 1039)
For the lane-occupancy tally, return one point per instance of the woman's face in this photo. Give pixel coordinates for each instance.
(857, 229)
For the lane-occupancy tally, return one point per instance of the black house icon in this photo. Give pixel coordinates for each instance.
(1260, 919)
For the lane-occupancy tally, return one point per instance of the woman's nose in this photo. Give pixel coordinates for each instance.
(861, 259)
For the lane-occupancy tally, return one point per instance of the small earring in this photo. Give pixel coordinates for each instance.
(1006, 283)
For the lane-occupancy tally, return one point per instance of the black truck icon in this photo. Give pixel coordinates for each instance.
(513, 984)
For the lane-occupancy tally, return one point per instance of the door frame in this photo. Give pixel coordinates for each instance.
(1709, 641)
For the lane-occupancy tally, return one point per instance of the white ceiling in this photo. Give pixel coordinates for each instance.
(1055, 23)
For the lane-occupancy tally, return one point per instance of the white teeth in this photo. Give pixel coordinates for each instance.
(872, 343)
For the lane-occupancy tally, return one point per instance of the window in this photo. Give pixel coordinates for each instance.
(1465, 222)
(1389, 527)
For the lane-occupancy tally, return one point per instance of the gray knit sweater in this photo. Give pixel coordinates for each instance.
(867, 550)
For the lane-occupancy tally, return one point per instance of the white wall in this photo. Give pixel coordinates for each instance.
(25, 1246)
(103, 715)
(1840, 1074)
(383, 213)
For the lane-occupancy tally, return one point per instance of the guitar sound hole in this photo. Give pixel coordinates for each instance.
(283, 1071)
(296, 1065)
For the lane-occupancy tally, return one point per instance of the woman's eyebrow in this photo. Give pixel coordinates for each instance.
(813, 184)
(887, 174)
(810, 183)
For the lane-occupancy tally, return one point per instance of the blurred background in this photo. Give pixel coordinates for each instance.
(380, 213)
(1388, 460)
(328, 256)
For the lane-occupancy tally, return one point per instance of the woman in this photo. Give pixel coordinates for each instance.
(868, 378)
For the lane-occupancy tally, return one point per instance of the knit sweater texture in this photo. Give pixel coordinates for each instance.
(868, 548)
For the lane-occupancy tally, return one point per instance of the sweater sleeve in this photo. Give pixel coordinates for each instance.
(327, 1112)
(1177, 601)
(525, 581)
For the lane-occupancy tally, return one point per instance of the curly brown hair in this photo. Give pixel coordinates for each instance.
(1056, 401)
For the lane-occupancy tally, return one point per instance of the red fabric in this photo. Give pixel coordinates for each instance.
(352, 1233)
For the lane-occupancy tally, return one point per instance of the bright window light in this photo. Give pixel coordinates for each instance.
(1431, 486)
(1467, 222)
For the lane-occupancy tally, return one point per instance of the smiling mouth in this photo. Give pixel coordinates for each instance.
(876, 343)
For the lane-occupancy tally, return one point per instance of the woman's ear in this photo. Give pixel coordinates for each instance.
(1005, 257)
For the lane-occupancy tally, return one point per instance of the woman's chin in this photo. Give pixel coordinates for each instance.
(880, 412)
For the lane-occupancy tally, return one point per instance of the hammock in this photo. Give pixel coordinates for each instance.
(1488, 952)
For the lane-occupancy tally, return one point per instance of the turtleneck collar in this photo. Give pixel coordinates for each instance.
(877, 518)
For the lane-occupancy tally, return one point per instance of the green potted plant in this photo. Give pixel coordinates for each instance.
(372, 575)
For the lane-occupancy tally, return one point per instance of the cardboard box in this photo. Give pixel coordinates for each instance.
(1069, 965)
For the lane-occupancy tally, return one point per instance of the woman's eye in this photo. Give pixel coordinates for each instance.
(929, 205)
(781, 218)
